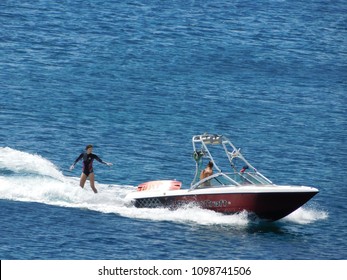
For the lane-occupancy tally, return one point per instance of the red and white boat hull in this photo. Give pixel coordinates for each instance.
(267, 202)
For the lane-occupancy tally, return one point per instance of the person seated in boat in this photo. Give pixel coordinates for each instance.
(208, 171)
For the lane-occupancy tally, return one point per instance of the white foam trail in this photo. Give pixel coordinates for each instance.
(186, 215)
(22, 162)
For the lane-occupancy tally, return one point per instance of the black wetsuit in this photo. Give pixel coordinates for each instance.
(88, 162)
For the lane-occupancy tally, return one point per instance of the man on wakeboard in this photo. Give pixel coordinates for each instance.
(87, 169)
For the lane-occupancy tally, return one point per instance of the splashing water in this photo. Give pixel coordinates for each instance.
(305, 215)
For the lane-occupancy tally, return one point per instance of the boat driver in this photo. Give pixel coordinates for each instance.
(208, 171)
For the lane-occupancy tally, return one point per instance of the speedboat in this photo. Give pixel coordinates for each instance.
(241, 188)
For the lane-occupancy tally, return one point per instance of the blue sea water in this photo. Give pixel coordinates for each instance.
(138, 79)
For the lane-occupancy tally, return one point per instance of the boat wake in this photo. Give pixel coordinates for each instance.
(32, 178)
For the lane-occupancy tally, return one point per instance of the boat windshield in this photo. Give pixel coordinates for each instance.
(215, 181)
